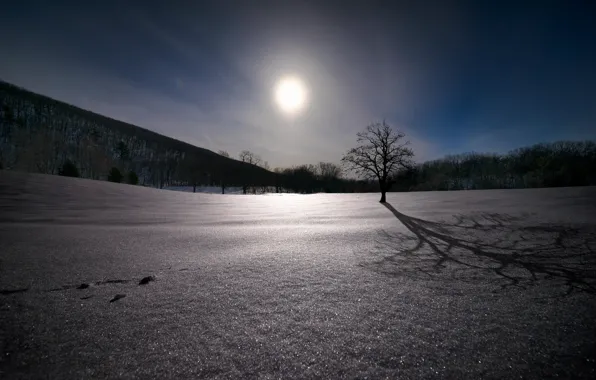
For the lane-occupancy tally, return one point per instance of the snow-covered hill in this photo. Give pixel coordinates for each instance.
(474, 284)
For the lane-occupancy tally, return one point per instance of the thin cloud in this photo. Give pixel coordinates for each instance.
(206, 75)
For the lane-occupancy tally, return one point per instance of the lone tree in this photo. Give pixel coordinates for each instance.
(380, 154)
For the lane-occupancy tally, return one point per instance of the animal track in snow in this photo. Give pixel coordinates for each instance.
(117, 297)
(6, 292)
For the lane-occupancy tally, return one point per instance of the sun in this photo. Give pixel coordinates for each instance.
(290, 94)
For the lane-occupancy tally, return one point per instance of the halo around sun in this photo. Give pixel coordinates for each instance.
(290, 94)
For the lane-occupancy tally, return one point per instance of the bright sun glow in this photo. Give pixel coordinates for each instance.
(290, 94)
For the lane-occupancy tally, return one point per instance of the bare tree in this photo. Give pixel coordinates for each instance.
(250, 157)
(328, 171)
(380, 154)
(278, 179)
(192, 171)
(223, 153)
(264, 188)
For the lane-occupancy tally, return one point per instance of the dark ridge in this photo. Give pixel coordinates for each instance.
(41, 109)
(121, 126)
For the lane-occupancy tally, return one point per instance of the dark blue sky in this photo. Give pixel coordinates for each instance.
(455, 76)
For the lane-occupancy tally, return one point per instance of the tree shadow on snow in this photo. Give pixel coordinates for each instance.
(490, 246)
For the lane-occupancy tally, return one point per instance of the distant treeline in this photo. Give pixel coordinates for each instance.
(43, 135)
(325, 177)
(563, 163)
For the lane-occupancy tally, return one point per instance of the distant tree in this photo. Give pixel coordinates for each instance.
(300, 179)
(115, 175)
(193, 171)
(329, 170)
(305, 179)
(223, 153)
(264, 185)
(329, 175)
(278, 179)
(97, 161)
(133, 179)
(69, 169)
(250, 158)
(380, 154)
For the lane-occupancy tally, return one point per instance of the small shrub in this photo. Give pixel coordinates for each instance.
(133, 179)
(115, 175)
(69, 169)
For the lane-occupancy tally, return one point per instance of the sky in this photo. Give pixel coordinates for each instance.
(455, 76)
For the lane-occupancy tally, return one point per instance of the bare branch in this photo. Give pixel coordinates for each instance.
(250, 157)
(379, 154)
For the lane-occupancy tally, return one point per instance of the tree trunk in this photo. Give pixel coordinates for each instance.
(194, 188)
(383, 187)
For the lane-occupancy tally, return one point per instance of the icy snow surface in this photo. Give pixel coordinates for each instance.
(471, 284)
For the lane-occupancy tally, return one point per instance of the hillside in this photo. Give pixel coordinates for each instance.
(39, 134)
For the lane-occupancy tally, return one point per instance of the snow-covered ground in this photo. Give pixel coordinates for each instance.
(205, 189)
(474, 284)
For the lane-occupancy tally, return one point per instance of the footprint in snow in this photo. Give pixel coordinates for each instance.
(105, 282)
(146, 280)
(117, 297)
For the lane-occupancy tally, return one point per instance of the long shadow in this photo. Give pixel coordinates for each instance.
(471, 248)
(6, 292)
